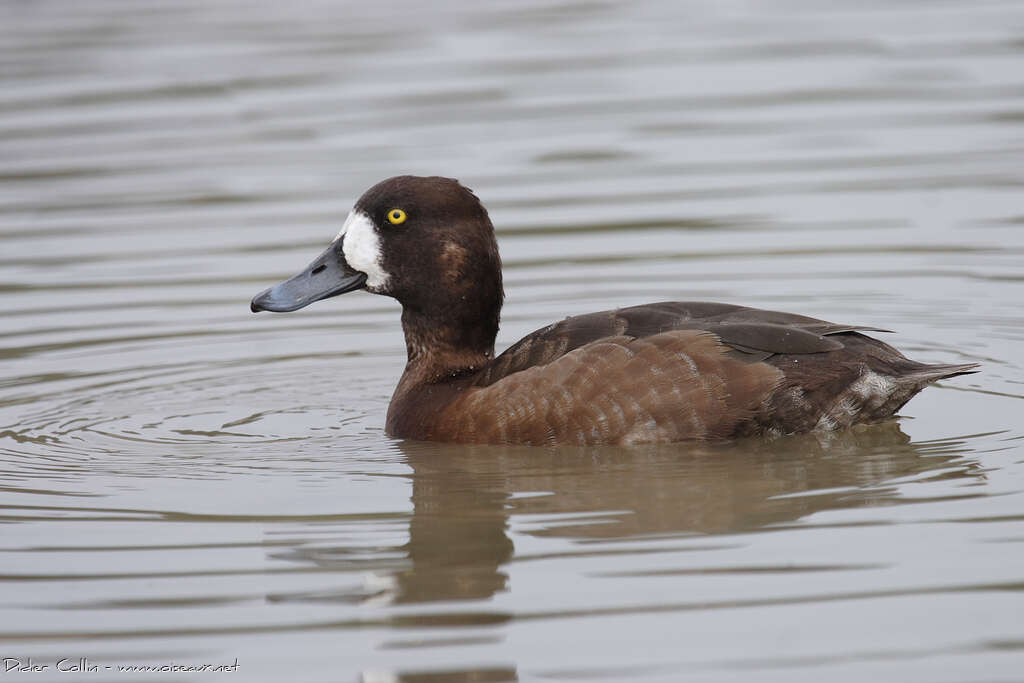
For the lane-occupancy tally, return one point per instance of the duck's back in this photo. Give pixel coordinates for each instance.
(670, 372)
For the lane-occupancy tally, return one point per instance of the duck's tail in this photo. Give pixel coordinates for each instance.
(910, 380)
(925, 374)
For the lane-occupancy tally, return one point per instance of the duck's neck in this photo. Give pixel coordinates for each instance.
(444, 344)
(439, 352)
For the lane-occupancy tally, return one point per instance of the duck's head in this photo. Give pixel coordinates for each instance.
(426, 241)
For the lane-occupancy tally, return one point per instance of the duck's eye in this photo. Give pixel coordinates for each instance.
(396, 216)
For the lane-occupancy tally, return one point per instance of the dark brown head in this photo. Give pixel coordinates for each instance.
(427, 242)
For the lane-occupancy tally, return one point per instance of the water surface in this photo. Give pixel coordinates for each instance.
(183, 482)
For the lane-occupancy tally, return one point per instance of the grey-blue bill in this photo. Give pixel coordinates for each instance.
(328, 275)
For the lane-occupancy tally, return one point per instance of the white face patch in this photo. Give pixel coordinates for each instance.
(362, 249)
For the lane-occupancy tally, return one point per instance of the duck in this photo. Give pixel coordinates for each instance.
(653, 373)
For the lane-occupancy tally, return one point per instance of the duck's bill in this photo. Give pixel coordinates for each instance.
(329, 275)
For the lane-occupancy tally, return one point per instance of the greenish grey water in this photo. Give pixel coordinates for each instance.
(183, 482)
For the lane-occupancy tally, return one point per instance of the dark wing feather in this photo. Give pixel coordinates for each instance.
(753, 334)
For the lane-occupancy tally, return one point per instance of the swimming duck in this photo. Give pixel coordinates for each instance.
(659, 372)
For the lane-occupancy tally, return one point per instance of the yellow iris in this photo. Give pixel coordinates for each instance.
(396, 216)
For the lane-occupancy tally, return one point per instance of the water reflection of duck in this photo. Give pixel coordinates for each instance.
(668, 489)
(671, 499)
(466, 497)
(653, 373)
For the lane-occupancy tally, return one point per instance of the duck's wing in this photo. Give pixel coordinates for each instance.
(678, 370)
(751, 334)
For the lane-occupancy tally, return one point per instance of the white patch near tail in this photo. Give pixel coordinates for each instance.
(869, 392)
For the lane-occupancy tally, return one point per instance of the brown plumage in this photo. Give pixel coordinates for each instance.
(661, 372)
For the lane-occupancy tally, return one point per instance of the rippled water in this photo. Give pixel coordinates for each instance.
(183, 482)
